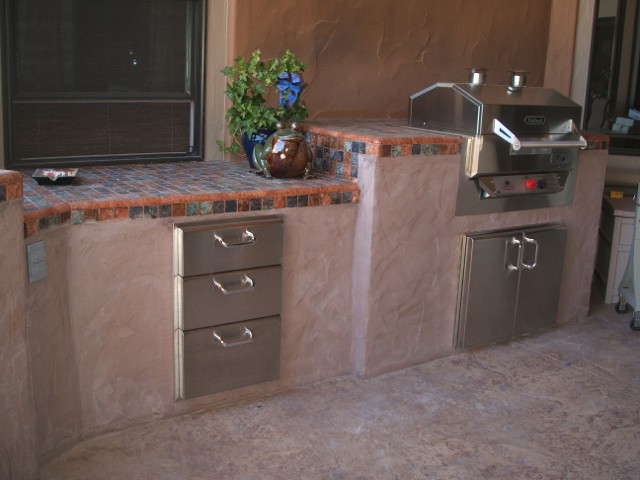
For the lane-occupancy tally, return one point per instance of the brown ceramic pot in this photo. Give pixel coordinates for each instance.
(285, 155)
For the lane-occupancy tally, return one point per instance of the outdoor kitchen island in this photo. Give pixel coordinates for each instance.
(370, 278)
(408, 242)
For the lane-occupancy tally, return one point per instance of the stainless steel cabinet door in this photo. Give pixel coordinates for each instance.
(510, 283)
(489, 289)
(540, 278)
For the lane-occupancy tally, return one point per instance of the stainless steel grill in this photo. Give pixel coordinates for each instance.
(520, 146)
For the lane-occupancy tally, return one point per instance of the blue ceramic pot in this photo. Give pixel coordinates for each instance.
(249, 143)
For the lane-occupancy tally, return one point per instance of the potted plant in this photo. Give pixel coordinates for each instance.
(251, 116)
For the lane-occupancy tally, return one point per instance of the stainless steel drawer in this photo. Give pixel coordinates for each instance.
(231, 356)
(225, 246)
(220, 298)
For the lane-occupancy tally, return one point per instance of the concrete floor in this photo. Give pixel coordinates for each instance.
(564, 404)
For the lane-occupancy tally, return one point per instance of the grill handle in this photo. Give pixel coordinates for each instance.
(503, 132)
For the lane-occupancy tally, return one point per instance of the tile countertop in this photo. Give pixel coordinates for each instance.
(377, 131)
(380, 138)
(199, 188)
(337, 144)
(172, 190)
(397, 132)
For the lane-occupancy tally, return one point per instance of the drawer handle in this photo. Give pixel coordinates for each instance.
(243, 336)
(246, 284)
(247, 239)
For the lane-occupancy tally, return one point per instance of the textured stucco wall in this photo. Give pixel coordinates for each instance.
(17, 418)
(365, 57)
(405, 311)
(121, 297)
(1, 123)
(52, 350)
(102, 336)
(582, 51)
(562, 41)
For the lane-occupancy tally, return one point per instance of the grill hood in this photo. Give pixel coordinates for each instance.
(478, 109)
(519, 146)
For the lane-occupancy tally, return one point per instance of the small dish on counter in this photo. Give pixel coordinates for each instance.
(55, 176)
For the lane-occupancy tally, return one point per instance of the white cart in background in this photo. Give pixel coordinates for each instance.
(629, 289)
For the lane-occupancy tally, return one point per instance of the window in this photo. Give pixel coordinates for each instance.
(614, 77)
(103, 82)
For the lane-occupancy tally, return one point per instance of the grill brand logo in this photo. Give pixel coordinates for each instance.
(534, 120)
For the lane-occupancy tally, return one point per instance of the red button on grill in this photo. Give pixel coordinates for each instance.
(530, 183)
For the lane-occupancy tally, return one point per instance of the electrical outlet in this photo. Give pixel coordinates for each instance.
(36, 261)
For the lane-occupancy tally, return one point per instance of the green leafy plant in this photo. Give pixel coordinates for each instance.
(248, 86)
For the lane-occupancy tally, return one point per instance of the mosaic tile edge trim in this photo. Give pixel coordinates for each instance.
(10, 186)
(43, 220)
(339, 157)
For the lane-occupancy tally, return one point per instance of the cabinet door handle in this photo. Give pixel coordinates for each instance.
(247, 239)
(246, 283)
(510, 266)
(242, 337)
(532, 241)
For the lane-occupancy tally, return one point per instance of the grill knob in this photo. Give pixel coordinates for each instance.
(530, 183)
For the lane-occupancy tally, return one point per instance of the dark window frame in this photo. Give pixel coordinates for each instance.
(197, 73)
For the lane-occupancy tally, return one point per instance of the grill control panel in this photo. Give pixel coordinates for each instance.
(496, 186)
